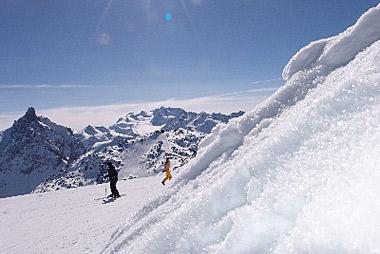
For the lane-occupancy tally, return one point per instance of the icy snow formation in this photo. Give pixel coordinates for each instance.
(298, 174)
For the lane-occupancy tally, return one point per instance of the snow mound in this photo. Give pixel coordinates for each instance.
(298, 174)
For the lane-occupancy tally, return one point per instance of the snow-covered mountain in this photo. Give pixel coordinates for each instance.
(40, 155)
(138, 144)
(33, 149)
(145, 123)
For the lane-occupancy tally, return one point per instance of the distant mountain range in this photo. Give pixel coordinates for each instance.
(38, 155)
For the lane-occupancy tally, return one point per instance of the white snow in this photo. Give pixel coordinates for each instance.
(298, 174)
(139, 123)
(135, 157)
(145, 128)
(70, 221)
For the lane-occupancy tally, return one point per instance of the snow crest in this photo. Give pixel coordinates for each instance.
(339, 50)
(298, 174)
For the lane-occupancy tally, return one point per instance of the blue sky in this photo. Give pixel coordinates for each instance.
(97, 52)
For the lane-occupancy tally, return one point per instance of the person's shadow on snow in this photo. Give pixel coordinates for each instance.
(108, 200)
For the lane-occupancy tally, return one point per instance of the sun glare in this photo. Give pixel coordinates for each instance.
(168, 16)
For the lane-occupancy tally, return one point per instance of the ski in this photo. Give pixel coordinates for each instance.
(107, 197)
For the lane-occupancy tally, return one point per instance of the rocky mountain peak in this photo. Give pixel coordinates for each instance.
(33, 149)
(30, 116)
(90, 130)
(26, 125)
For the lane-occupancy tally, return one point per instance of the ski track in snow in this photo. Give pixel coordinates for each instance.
(70, 221)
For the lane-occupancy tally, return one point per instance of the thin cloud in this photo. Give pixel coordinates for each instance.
(53, 86)
(249, 92)
(79, 117)
(265, 81)
(6, 119)
(42, 86)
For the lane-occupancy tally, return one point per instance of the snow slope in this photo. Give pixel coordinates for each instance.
(70, 221)
(298, 174)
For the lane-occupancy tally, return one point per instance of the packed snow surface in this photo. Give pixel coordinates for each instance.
(298, 174)
(71, 221)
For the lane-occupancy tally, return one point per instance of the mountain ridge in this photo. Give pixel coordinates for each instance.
(51, 157)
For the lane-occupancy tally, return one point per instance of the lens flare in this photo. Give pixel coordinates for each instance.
(168, 16)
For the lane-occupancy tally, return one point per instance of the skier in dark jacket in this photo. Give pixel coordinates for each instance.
(112, 174)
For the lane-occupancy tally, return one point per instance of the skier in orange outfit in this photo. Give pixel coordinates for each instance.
(167, 172)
